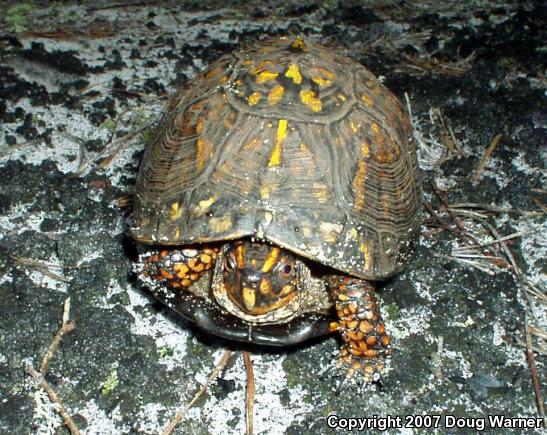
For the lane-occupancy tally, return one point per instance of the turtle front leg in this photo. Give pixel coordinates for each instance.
(361, 327)
(176, 268)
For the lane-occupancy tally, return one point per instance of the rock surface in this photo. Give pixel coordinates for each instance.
(80, 83)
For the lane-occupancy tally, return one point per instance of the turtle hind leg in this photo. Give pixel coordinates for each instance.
(361, 327)
(176, 268)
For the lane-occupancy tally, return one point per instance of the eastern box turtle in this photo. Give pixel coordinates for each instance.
(280, 182)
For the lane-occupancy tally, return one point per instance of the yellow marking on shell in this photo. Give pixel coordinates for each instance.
(265, 190)
(229, 120)
(299, 44)
(247, 62)
(321, 192)
(277, 150)
(306, 150)
(308, 97)
(321, 81)
(365, 149)
(386, 203)
(240, 256)
(271, 259)
(200, 124)
(262, 66)
(375, 128)
(251, 144)
(213, 72)
(380, 154)
(330, 231)
(224, 79)
(177, 233)
(293, 72)
(365, 98)
(307, 232)
(254, 98)
(265, 76)
(275, 95)
(326, 73)
(213, 113)
(200, 151)
(324, 77)
(354, 128)
(365, 249)
(219, 225)
(341, 97)
(175, 212)
(204, 205)
(359, 185)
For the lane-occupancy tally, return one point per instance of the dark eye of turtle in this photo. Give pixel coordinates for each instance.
(287, 269)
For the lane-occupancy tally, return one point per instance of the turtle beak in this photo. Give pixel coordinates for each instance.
(249, 298)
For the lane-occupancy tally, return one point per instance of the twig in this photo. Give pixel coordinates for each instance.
(214, 373)
(421, 65)
(540, 205)
(492, 242)
(250, 393)
(66, 326)
(72, 33)
(466, 237)
(44, 267)
(23, 261)
(503, 246)
(54, 399)
(492, 208)
(486, 269)
(125, 201)
(533, 371)
(493, 144)
(538, 332)
(121, 5)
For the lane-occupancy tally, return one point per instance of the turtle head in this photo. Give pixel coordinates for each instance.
(259, 278)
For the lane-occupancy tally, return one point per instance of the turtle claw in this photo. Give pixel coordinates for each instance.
(342, 384)
(351, 370)
(368, 370)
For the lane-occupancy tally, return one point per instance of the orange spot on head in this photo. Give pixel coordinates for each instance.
(271, 259)
(240, 256)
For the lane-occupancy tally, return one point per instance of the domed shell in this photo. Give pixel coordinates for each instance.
(290, 142)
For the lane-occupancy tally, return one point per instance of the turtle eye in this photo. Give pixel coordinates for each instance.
(287, 269)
